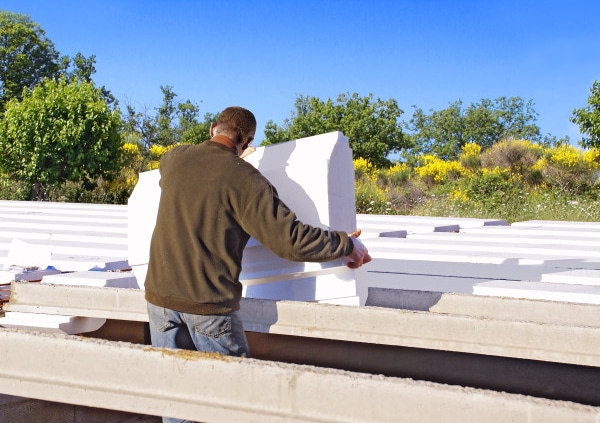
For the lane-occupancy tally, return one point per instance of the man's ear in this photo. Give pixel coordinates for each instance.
(211, 131)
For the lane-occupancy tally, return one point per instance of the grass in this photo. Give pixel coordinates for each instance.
(540, 206)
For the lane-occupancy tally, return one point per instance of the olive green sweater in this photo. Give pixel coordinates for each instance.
(211, 203)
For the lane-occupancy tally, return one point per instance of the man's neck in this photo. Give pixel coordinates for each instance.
(226, 141)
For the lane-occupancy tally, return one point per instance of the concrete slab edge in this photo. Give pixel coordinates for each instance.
(200, 387)
(417, 329)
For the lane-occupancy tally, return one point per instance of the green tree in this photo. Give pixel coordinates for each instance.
(27, 56)
(372, 126)
(444, 132)
(82, 68)
(172, 123)
(60, 131)
(194, 131)
(588, 119)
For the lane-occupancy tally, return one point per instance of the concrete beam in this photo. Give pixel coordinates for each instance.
(570, 314)
(263, 391)
(551, 342)
(84, 301)
(549, 291)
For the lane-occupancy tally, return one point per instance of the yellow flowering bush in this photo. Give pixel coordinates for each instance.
(362, 167)
(566, 156)
(155, 152)
(570, 169)
(496, 171)
(130, 148)
(131, 155)
(591, 158)
(470, 157)
(370, 198)
(459, 195)
(128, 176)
(397, 173)
(470, 149)
(540, 165)
(437, 170)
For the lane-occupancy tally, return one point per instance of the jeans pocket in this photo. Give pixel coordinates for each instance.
(212, 326)
(166, 326)
(158, 318)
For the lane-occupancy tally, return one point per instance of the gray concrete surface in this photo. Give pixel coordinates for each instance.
(201, 387)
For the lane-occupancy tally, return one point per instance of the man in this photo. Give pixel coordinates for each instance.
(212, 202)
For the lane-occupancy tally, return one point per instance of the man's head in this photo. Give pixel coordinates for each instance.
(236, 123)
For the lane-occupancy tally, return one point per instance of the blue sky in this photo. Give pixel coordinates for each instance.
(262, 54)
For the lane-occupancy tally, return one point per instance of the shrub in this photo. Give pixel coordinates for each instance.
(518, 156)
(470, 157)
(13, 190)
(154, 154)
(371, 199)
(570, 169)
(404, 198)
(437, 171)
(489, 182)
(103, 192)
(362, 167)
(397, 174)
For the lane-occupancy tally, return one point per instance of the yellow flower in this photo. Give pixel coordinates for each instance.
(566, 156)
(397, 173)
(471, 149)
(152, 164)
(362, 167)
(130, 148)
(540, 165)
(156, 151)
(459, 195)
(438, 170)
(591, 158)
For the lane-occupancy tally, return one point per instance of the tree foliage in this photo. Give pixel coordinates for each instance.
(588, 118)
(172, 123)
(444, 132)
(60, 131)
(27, 56)
(372, 126)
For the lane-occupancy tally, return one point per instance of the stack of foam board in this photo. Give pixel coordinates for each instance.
(96, 245)
(392, 226)
(315, 177)
(51, 243)
(557, 261)
(61, 236)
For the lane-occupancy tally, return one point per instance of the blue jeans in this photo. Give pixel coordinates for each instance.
(221, 333)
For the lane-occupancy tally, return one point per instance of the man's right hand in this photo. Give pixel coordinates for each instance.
(359, 255)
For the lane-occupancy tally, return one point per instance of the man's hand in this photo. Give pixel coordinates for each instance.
(360, 254)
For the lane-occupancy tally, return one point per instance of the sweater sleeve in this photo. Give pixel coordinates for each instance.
(270, 221)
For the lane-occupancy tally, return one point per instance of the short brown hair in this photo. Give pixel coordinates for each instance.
(238, 122)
